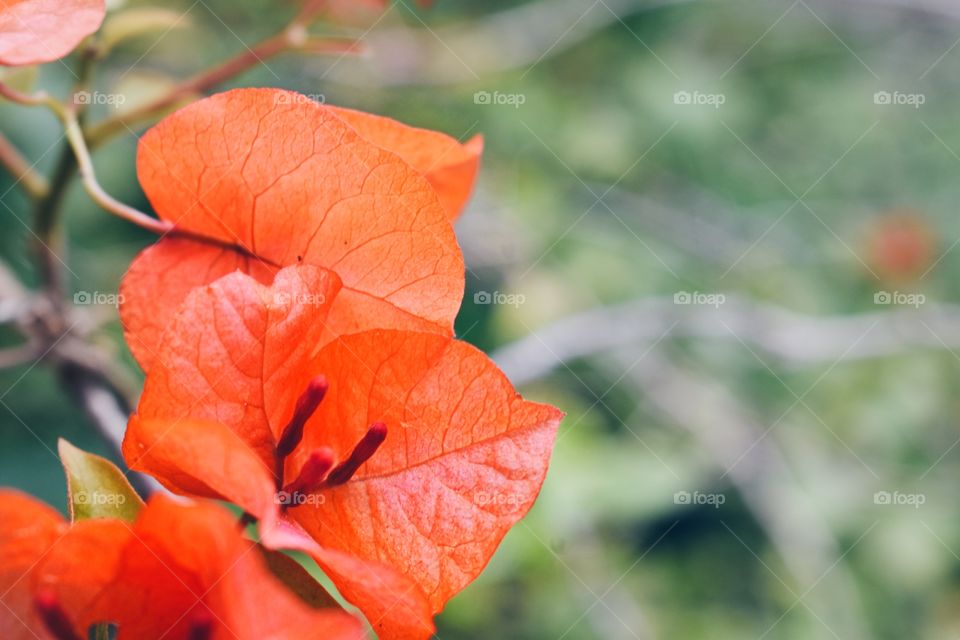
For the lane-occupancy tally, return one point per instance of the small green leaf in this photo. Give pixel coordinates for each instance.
(96, 488)
(298, 579)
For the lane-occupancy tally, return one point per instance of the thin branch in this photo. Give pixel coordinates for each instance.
(12, 295)
(36, 99)
(20, 168)
(96, 192)
(78, 145)
(292, 38)
(793, 338)
(93, 382)
(45, 212)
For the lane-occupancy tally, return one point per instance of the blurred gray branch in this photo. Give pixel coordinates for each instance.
(58, 339)
(791, 337)
(706, 226)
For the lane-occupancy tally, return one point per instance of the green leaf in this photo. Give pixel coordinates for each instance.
(96, 488)
(298, 579)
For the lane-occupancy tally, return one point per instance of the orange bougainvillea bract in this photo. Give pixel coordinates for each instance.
(449, 166)
(182, 571)
(37, 31)
(259, 179)
(296, 335)
(411, 454)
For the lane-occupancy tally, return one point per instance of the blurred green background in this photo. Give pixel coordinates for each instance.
(776, 458)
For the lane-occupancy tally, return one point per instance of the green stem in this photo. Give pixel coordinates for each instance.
(46, 238)
(82, 156)
(46, 212)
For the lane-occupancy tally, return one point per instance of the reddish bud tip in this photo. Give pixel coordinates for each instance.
(317, 387)
(307, 404)
(313, 472)
(55, 619)
(200, 625)
(367, 446)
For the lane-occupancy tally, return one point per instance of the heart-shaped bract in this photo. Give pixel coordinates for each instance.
(259, 179)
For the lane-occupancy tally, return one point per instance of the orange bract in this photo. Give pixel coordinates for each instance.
(179, 566)
(29, 529)
(463, 459)
(450, 167)
(223, 367)
(259, 179)
(36, 31)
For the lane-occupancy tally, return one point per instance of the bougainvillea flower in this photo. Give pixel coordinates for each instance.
(259, 179)
(182, 571)
(406, 456)
(36, 31)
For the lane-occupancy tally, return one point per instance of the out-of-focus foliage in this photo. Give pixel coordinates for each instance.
(600, 186)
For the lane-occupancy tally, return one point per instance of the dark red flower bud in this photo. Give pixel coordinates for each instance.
(313, 472)
(367, 446)
(200, 626)
(55, 619)
(307, 404)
